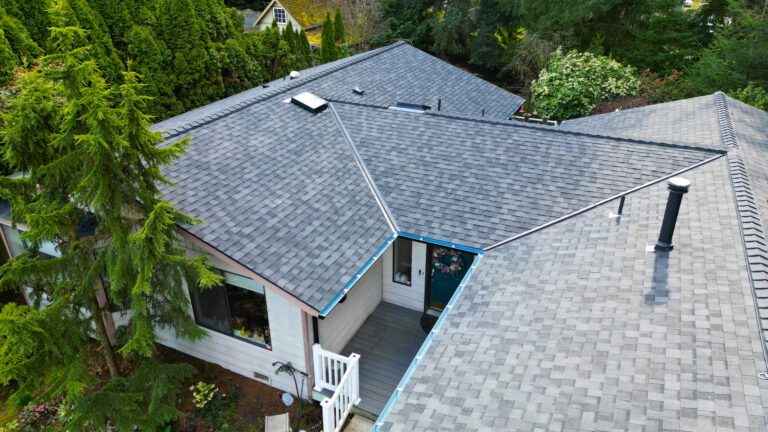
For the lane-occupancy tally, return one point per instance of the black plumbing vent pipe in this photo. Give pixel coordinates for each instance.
(678, 187)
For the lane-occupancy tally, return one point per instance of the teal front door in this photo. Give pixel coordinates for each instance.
(447, 268)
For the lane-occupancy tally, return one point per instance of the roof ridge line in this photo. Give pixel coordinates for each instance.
(377, 195)
(508, 123)
(261, 97)
(604, 201)
(746, 206)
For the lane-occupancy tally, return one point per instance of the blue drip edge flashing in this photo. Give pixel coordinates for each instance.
(441, 243)
(335, 300)
(513, 112)
(427, 342)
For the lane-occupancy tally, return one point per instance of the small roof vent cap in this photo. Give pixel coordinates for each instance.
(358, 91)
(294, 74)
(310, 102)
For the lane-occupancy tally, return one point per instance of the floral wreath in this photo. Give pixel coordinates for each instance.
(447, 260)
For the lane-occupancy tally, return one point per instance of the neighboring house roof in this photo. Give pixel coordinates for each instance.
(579, 326)
(305, 12)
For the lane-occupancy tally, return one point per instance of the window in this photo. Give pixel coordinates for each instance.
(402, 261)
(279, 15)
(13, 239)
(46, 249)
(237, 308)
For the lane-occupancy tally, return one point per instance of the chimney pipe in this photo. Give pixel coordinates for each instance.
(439, 104)
(677, 186)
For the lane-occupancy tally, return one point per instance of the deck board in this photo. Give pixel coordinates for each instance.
(387, 343)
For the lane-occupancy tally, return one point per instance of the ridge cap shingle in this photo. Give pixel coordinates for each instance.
(750, 223)
(225, 111)
(513, 124)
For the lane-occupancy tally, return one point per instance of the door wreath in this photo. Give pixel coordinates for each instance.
(447, 260)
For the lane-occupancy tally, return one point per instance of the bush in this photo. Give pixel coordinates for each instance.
(573, 84)
(671, 87)
(753, 95)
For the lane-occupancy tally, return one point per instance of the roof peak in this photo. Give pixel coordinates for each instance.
(227, 110)
(558, 130)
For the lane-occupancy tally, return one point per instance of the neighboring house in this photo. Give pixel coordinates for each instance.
(249, 19)
(438, 267)
(302, 14)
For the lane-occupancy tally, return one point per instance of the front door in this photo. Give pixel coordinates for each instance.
(446, 270)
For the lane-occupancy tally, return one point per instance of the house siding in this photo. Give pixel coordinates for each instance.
(411, 297)
(266, 21)
(338, 328)
(285, 326)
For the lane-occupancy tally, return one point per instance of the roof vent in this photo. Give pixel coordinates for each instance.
(294, 74)
(310, 102)
(406, 106)
(678, 187)
(358, 91)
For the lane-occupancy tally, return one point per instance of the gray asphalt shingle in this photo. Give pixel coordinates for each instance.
(577, 327)
(475, 183)
(689, 121)
(280, 192)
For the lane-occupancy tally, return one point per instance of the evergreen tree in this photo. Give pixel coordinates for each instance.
(452, 33)
(196, 77)
(338, 27)
(305, 49)
(484, 47)
(8, 60)
(87, 153)
(149, 57)
(78, 13)
(33, 15)
(18, 37)
(328, 51)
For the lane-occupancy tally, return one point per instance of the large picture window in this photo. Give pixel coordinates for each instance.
(237, 308)
(402, 261)
(279, 15)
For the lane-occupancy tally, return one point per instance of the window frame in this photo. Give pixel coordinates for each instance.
(394, 262)
(274, 15)
(229, 311)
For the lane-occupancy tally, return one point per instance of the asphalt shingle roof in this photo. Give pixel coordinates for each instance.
(475, 183)
(280, 192)
(689, 121)
(578, 327)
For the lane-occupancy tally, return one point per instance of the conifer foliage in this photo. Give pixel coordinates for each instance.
(86, 154)
(188, 52)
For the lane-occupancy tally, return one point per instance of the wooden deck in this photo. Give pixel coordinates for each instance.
(387, 343)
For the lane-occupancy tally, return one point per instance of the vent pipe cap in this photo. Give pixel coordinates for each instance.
(294, 74)
(679, 184)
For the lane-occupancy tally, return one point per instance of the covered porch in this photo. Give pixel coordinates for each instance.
(387, 343)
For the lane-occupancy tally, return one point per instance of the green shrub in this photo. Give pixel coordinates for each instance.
(753, 95)
(573, 84)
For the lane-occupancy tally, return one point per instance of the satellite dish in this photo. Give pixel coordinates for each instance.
(287, 399)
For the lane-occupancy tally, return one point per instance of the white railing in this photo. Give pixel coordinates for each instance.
(342, 376)
(329, 368)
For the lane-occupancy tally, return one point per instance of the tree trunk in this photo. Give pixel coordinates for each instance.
(106, 347)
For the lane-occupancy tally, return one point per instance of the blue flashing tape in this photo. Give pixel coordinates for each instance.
(441, 243)
(427, 342)
(335, 300)
(513, 112)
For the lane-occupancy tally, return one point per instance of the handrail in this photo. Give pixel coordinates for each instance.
(337, 407)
